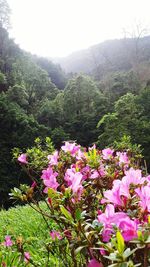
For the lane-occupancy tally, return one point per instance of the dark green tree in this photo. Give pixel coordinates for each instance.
(17, 130)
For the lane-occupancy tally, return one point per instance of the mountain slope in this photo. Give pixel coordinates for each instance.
(113, 55)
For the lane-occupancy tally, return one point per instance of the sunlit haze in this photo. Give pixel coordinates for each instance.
(56, 28)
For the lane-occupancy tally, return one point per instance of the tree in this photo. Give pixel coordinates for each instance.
(4, 14)
(17, 130)
(54, 71)
(18, 95)
(82, 103)
(123, 121)
(130, 118)
(35, 81)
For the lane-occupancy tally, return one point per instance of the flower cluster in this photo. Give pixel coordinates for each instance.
(102, 200)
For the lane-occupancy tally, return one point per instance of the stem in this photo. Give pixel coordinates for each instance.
(89, 243)
(145, 257)
(41, 212)
(74, 258)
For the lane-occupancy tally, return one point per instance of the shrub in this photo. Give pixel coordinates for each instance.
(99, 202)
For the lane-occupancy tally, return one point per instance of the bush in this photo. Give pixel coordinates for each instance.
(99, 202)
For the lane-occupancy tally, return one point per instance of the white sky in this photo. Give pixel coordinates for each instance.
(55, 28)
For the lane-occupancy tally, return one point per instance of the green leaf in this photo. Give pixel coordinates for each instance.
(52, 193)
(78, 214)
(120, 242)
(128, 252)
(112, 257)
(79, 249)
(113, 265)
(140, 236)
(66, 213)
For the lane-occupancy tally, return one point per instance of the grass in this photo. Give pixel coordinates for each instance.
(25, 223)
(22, 221)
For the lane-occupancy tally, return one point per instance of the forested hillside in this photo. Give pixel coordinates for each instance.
(37, 98)
(110, 56)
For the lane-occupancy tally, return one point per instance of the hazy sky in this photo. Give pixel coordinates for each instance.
(58, 27)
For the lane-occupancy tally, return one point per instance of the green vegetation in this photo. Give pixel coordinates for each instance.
(22, 221)
(100, 106)
(28, 227)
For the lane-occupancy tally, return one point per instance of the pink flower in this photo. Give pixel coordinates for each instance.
(49, 179)
(53, 159)
(107, 153)
(129, 228)
(26, 256)
(133, 176)
(113, 195)
(54, 234)
(122, 188)
(144, 195)
(86, 172)
(74, 180)
(34, 184)
(108, 219)
(123, 158)
(98, 173)
(8, 242)
(72, 148)
(94, 263)
(76, 185)
(23, 158)
(94, 174)
(69, 175)
(102, 251)
(110, 216)
(80, 154)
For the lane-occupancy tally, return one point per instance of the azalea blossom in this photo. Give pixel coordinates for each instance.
(107, 153)
(113, 195)
(72, 148)
(26, 256)
(34, 184)
(80, 155)
(23, 159)
(108, 219)
(123, 158)
(144, 195)
(132, 177)
(86, 171)
(94, 174)
(121, 188)
(94, 263)
(129, 228)
(53, 159)
(74, 180)
(8, 242)
(49, 179)
(102, 251)
(98, 173)
(54, 235)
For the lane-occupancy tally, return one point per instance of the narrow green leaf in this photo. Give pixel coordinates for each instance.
(66, 213)
(79, 249)
(120, 242)
(78, 214)
(52, 193)
(128, 252)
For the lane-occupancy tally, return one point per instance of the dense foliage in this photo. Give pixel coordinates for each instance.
(97, 208)
(38, 99)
